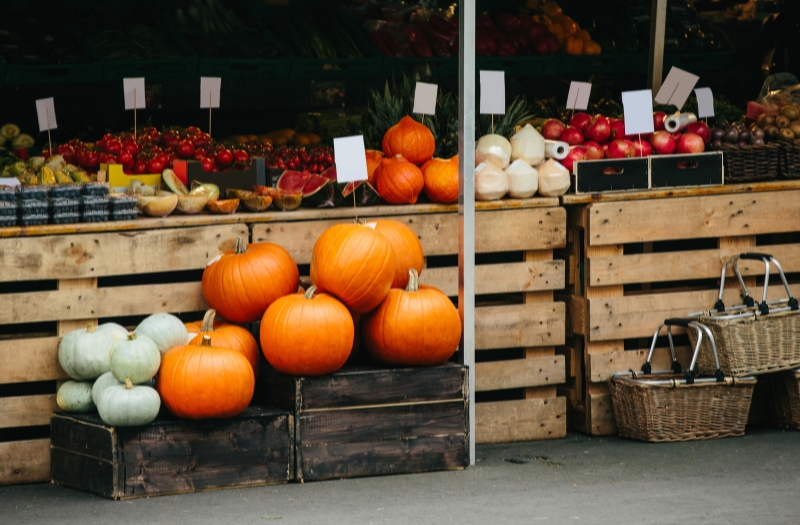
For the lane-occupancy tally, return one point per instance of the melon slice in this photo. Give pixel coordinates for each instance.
(317, 190)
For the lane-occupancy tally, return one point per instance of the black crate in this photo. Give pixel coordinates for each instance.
(171, 455)
(676, 171)
(596, 176)
(256, 174)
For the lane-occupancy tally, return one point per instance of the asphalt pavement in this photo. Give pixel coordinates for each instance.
(753, 479)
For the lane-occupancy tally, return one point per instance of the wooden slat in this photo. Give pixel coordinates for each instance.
(540, 351)
(601, 366)
(26, 411)
(519, 325)
(685, 265)
(101, 254)
(66, 326)
(693, 218)
(520, 373)
(24, 461)
(70, 304)
(614, 318)
(495, 231)
(600, 414)
(500, 278)
(23, 360)
(522, 420)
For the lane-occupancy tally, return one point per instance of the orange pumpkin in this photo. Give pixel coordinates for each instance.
(228, 336)
(374, 158)
(307, 334)
(398, 181)
(245, 281)
(409, 138)
(406, 246)
(355, 264)
(202, 382)
(418, 326)
(441, 180)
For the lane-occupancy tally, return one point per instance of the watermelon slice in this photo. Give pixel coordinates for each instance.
(317, 190)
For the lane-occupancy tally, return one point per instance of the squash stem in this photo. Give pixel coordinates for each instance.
(90, 328)
(131, 336)
(206, 341)
(241, 246)
(413, 281)
(310, 292)
(208, 321)
(128, 383)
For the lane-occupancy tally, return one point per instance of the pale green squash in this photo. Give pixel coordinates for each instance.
(136, 358)
(84, 353)
(128, 406)
(166, 330)
(101, 384)
(75, 396)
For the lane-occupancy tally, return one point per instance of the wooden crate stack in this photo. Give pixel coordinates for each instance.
(50, 287)
(638, 258)
(515, 305)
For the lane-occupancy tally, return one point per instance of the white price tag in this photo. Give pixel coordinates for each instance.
(425, 98)
(677, 87)
(46, 111)
(493, 92)
(351, 158)
(638, 108)
(578, 97)
(705, 102)
(134, 93)
(209, 92)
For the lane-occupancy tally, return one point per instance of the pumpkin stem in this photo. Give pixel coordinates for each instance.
(310, 292)
(241, 246)
(208, 321)
(131, 336)
(413, 281)
(399, 156)
(90, 328)
(128, 383)
(206, 341)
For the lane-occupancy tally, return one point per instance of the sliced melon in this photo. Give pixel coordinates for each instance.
(173, 182)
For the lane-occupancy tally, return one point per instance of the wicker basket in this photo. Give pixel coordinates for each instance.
(790, 161)
(751, 163)
(785, 390)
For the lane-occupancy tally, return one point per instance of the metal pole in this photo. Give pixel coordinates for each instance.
(655, 66)
(466, 200)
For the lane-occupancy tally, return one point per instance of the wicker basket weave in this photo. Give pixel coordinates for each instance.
(751, 163)
(790, 161)
(785, 390)
(681, 412)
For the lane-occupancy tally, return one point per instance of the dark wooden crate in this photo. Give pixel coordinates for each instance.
(367, 421)
(171, 455)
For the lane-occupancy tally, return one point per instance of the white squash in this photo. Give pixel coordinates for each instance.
(523, 180)
(493, 148)
(554, 179)
(136, 359)
(528, 144)
(101, 384)
(84, 353)
(491, 183)
(75, 396)
(166, 330)
(128, 406)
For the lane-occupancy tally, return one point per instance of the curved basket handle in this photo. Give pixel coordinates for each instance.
(676, 367)
(764, 305)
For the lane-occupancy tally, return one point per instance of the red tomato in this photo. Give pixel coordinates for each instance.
(240, 156)
(200, 139)
(140, 167)
(113, 146)
(131, 147)
(185, 149)
(223, 157)
(92, 159)
(126, 159)
(155, 165)
(208, 165)
(193, 130)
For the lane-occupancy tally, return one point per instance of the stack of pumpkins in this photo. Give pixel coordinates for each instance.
(406, 166)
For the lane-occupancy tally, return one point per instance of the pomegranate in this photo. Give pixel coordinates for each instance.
(621, 149)
(580, 120)
(691, 143)
(618, 130)
(594, 151)
(699, 128)
(552, 129)
(658, 120)
(598, 129)
(572, 136)
(662, 142)
(642, 147)
(575, 154)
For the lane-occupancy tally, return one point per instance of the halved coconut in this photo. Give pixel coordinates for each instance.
(191, 204)
(161, 206)
(223, 206)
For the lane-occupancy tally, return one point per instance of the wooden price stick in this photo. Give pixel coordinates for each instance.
(209, 113)
(134, 114)
(47, 116)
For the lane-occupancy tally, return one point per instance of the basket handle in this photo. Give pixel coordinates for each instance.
(764, 305)
(676, 367)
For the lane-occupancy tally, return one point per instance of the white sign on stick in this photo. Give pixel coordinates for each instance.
(9, 181)
(46, 111)
(209, 92)
(133, 87)
(351, 158)
(578, 97)
(638, 108)
(425, 98)
(493, 93)
(705, 102)
(677, 87)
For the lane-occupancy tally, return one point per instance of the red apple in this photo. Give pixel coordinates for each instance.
(552, 129)
(598, 129)
(658, 120)
(594, 151)
(572, 136)
(699, 128)
(663, 143)
(580, 120)
(691, 143)
(642, 147)
(575, 154)
(621, 149)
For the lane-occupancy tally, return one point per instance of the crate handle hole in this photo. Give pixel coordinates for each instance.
(613, 170)
(688, 165)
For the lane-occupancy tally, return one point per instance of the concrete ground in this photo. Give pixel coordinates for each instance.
(752, 480)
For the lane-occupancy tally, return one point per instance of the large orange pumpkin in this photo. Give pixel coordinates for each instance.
(406, 246)
(374, 159)
(355, 264)
(398, 181)
(418, 326)
(228, 336)
(245, 281)
(307, 334)
(202, 382)
(441, 180)
(409, 138)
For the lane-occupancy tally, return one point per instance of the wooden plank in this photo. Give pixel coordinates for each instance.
(24, 461)
(90, 303)
(27, 411)
(83, 472)
(615, 318)
(500, 278)
(757, 187)
(520, 373)
(67, 326)
(23, 360)
(576, 318)
(601, 366)
(496, 231)
(548, 351)
(692, 218)
(126, 253)
(687, 265)
(521, 325)
(522, 420)
(600, 414)
(93, 438)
